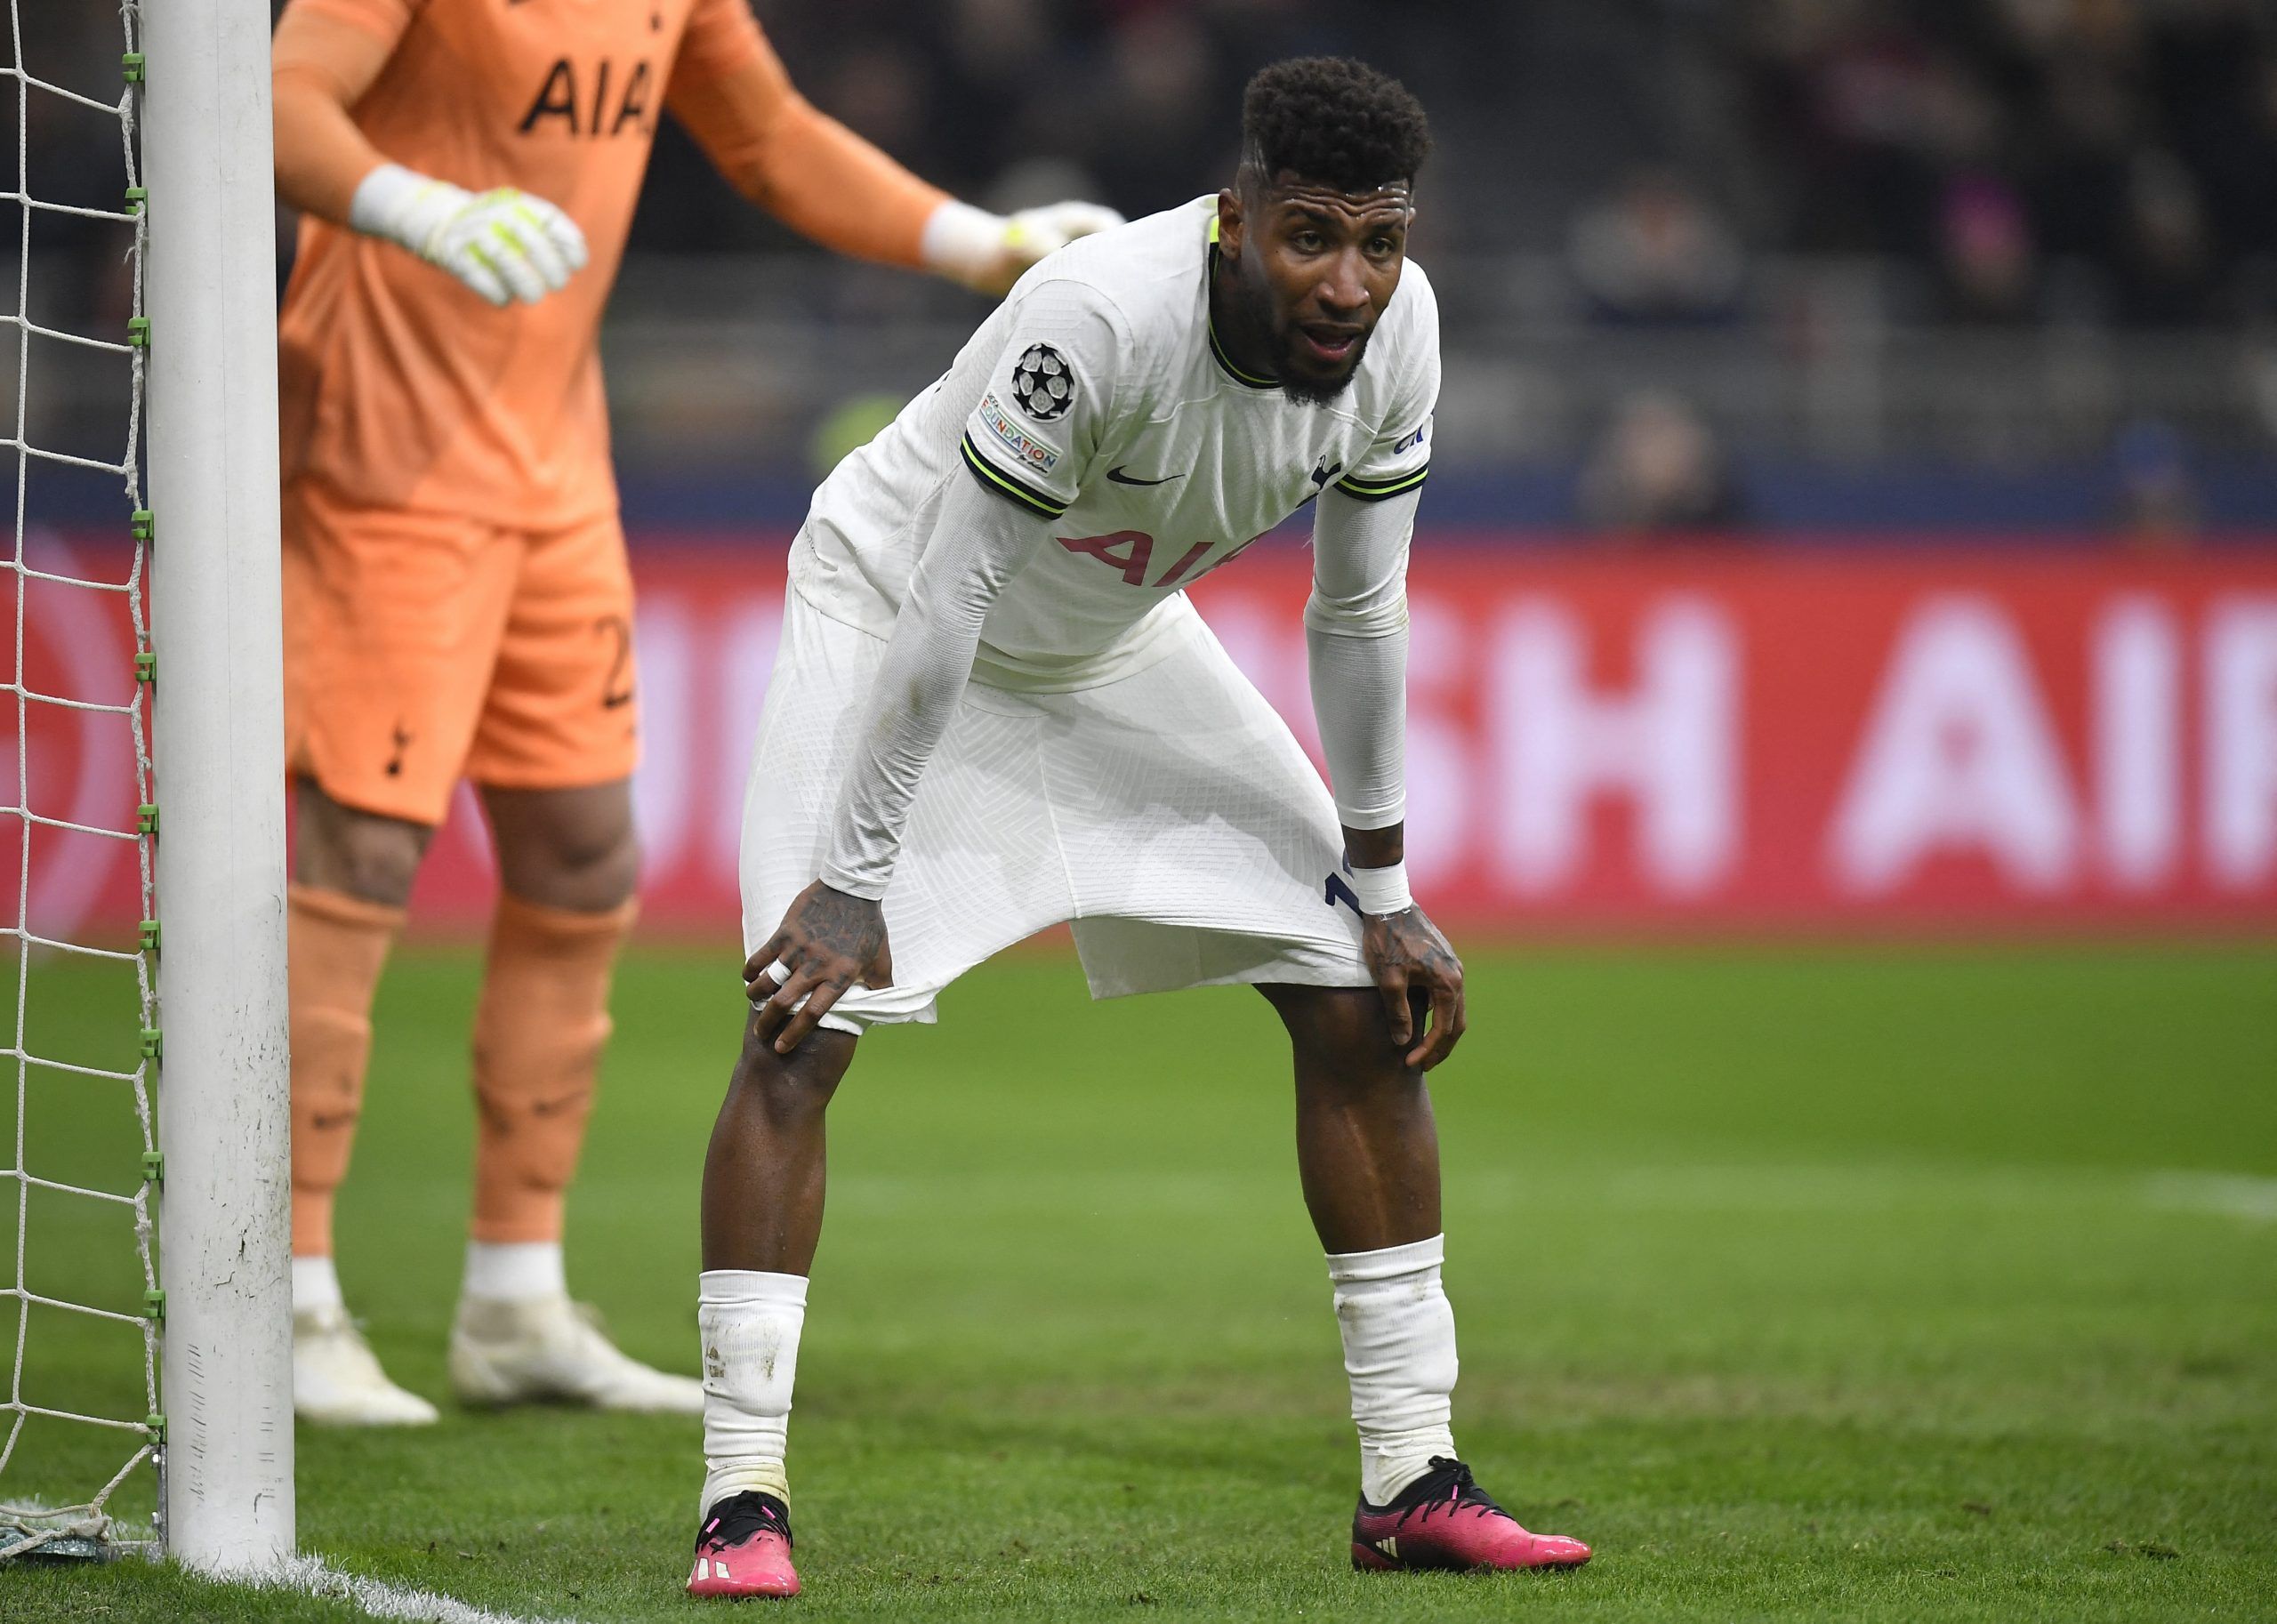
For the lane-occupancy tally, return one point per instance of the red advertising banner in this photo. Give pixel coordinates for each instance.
(1821, 740)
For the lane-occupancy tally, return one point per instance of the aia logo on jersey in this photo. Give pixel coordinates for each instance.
(600, 102)
(1131, 553)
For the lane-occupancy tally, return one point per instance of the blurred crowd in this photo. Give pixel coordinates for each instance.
(2082, 159)
(2089, 158)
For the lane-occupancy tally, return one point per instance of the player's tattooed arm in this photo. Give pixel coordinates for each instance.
(827, 942)
(1416, 971)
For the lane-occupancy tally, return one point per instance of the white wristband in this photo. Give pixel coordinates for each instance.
(962, 242)
(404, 206)
(1382, 890)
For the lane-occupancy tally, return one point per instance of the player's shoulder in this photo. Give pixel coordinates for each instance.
(1124, 300)
(1142, 275)
(1412, 315)
(1402, 363)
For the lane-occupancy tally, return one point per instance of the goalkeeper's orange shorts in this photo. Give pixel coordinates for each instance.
(419, 648)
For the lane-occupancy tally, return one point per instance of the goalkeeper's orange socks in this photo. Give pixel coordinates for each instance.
(538, 1032)
(336, 947)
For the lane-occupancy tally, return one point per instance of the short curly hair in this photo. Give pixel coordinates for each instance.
(1334, 122)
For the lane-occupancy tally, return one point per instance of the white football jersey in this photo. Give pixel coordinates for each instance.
(1098, 398)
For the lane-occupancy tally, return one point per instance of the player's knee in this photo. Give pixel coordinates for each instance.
(373, 859)
(587, 859)
(1342, 1030)
(790, 1089)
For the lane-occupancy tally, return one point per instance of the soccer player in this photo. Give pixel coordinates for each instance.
(994, 710)
(456, 595)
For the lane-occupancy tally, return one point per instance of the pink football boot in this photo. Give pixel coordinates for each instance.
(1444, 1520)
(744, 1549)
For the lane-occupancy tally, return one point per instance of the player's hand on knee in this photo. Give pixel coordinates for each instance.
(505, 243)
(828, 941)
(1419, 978)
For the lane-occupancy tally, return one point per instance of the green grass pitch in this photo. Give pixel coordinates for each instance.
(1805, 1283)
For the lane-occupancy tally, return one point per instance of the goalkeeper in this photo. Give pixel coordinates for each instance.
(457, 600)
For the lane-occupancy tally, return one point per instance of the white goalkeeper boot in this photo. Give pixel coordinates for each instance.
(550, 1350)
(337, 1381)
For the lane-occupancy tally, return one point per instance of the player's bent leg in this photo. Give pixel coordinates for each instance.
(763, 1179)
(1368, 1152)
(352, 873)
(763, 1171)
(568, 861)
(1367, 1148)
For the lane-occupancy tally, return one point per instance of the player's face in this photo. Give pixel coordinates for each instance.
(1316, 268)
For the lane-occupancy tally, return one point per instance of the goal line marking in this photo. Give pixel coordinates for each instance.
(313, 1576)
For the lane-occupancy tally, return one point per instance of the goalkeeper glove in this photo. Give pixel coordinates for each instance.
(504, 243)
(988, 252)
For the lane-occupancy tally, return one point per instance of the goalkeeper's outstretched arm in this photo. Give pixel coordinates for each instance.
(505, 245)
(827, 183)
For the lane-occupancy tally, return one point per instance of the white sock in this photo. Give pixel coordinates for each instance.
(514, 1272)
(1399, 1351)
(316, 1285)
(749, 1322)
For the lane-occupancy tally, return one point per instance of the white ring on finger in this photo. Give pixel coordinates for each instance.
(780, 971)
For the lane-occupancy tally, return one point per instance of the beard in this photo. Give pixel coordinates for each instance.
(1303, 388)
(1320, 391)
(1253, 308)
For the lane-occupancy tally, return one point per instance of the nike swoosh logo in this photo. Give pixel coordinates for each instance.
(1120, 477)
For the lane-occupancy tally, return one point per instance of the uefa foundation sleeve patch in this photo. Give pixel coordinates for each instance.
(1031, 451)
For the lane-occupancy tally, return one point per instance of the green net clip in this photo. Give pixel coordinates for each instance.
(149, 935)
(136, 196)
(129, 67)
(153, 1305)
(154, 1425)
(154, 1167)
(152, 1042)
(146, 818)
(138, 332)
(138, 524)
(146, 667)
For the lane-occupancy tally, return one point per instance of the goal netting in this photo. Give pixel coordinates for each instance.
(81, 1161)
(144, 1174)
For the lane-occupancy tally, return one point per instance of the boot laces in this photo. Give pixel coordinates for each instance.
(741, 1519)
(1448, 1487)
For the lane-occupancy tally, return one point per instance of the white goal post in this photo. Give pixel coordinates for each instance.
(226, 1476)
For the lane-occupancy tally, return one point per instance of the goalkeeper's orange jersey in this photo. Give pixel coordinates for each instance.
(401, 389)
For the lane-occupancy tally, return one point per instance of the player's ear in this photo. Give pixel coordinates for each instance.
(1229, 223)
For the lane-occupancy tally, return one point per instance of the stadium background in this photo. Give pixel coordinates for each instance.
(1853, 501)
(1854, 529)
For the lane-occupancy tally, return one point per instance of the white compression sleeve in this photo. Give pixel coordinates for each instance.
(749, 1322)
(1356, 642)
(1399, 1354)
(978, 543)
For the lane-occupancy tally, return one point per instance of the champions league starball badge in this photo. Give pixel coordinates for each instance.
(1042, 384)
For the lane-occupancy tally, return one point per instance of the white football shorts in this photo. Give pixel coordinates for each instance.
(1169, 813)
